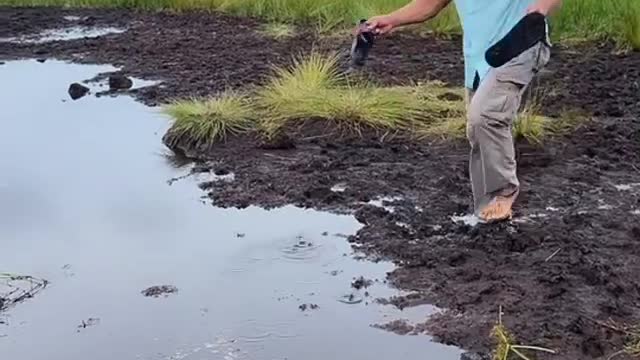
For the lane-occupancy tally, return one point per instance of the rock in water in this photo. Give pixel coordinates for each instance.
(157, 291)
(119, 82)
(76, 91)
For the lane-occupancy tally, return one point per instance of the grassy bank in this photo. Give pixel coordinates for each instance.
(584, 19)
(314, 88)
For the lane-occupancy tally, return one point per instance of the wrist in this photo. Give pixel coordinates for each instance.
(394, 20)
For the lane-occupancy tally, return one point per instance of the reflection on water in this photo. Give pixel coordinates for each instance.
(64, 34)
(85, 203)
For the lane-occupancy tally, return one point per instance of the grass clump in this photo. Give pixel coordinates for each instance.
(304, 78)
(505, 347)
(314, 88)
(207, 121)
(368, 106)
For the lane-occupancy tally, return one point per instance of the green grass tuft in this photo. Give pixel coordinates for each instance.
(291, 91)
(313, 88)
(366, 106)
(210, 120)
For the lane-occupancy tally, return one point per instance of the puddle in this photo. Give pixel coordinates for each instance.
(627, 187)
(85, 204)
(468, 219)
(340, 187)
(64, 34)
(381, 202)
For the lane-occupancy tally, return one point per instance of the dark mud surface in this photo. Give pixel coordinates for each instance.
(565, 265)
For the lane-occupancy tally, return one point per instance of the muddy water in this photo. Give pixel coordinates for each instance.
(85, 203)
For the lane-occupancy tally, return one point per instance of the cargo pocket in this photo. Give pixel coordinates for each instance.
(501, 108)
(521, 69)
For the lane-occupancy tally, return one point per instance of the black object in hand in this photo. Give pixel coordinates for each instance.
(526, 33)
(362, 43)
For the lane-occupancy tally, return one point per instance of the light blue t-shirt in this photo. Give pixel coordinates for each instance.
(484, 22)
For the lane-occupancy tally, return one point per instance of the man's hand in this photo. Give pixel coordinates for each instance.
(380, 24)
(544, 7)
(417, 11)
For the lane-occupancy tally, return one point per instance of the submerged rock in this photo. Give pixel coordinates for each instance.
(77, 91)
(156, 291)
(360, 283)
(119, 82)
(305, 307)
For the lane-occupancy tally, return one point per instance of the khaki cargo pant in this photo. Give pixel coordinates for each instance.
(491, 111)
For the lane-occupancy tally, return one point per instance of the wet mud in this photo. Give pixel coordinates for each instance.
(564, 266)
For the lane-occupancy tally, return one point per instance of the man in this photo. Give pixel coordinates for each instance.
(493, 93)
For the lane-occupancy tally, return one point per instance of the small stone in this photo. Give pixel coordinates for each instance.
(157, 291)
(360, 283)
(77, 91)
(119, 82)
(41, 60)
(305, 307)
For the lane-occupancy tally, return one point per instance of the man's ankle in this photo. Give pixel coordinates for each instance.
(506, 191)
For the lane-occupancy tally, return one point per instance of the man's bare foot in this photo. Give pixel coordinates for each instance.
(500, 208)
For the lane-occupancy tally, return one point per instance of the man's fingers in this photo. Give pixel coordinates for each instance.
(372, 25)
